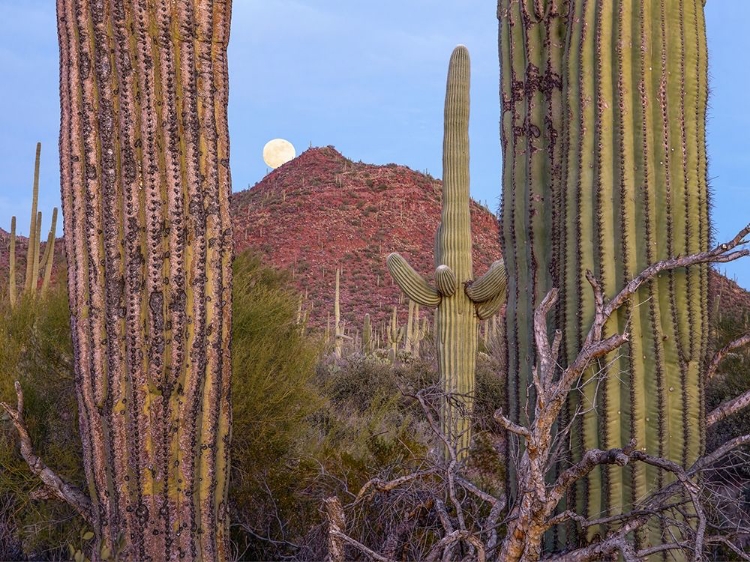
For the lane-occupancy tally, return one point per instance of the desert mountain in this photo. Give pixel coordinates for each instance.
(321, 211)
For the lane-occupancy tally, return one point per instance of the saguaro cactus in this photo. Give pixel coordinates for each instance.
(460, 301)
(31, 281)
(144, 159)
(604, 169)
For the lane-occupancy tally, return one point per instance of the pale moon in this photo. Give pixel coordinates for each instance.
(278, 152)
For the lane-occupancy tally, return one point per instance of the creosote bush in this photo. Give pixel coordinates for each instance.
(35, 349)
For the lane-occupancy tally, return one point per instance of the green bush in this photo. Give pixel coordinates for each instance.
(272, 398)
(36, 350)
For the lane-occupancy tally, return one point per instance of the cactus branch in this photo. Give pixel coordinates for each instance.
(489, 285)
(445, 280)
(411, 282)
(49, 253)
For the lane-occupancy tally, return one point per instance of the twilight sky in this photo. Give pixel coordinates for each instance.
(365, 77)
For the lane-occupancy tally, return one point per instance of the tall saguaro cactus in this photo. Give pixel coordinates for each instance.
(459, 299)
(31, 280)
(144, 158)
(604, 169)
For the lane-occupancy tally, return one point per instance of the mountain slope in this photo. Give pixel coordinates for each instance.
(321, 212)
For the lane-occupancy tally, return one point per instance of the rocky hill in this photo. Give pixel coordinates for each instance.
(321, 211)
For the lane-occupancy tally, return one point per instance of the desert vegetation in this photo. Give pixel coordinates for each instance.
(583, 399)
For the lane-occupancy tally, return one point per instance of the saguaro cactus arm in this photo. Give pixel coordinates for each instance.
(412, 283)
(489, 285)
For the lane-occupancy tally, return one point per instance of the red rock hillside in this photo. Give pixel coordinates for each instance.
(321, 211)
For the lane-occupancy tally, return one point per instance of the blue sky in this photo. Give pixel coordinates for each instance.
(368, 78)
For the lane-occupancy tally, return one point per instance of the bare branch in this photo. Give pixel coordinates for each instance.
(726, 542)
(359, 546)
(720, 254)
(546, 359)
(591, 459)
(336, 527)
(434, 425)
(379, 485)
(445, 519)
(711, 458)
(713, 367)
(452, 538)
(642, 554)
(728, 408)
(511, 426)
(489, 498)
(62, 490)
(690, 487)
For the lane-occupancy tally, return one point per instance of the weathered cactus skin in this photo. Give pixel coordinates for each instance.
(604, 169)
(457, 313)
(145, 182)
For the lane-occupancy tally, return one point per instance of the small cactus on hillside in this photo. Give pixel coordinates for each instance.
(459, 299)
(395, 335)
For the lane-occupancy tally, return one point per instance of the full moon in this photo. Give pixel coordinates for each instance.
(278, 152)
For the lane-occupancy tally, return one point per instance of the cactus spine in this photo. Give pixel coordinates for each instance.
(145, 182)
(604, 169)
(459, 300)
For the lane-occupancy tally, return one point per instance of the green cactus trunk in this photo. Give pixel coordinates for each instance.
(459, 301)
(605, 170)
(144, 159)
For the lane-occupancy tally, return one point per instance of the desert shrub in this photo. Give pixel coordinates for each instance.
(36, 350)
(272, 397)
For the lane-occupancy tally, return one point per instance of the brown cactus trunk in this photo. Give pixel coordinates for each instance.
(144, 158)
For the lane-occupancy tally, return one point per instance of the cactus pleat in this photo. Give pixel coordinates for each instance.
(456, 315)
(144, 160)
(629, 189)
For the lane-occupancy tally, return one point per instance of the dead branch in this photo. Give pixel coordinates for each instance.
(336, 526)
(378, 485)
(713, 367)
(591, 459)
(62, 490)
(720, 254)
(726, 409)
(729, 544)
(451, 539)
(359, 546)
(726, 448)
